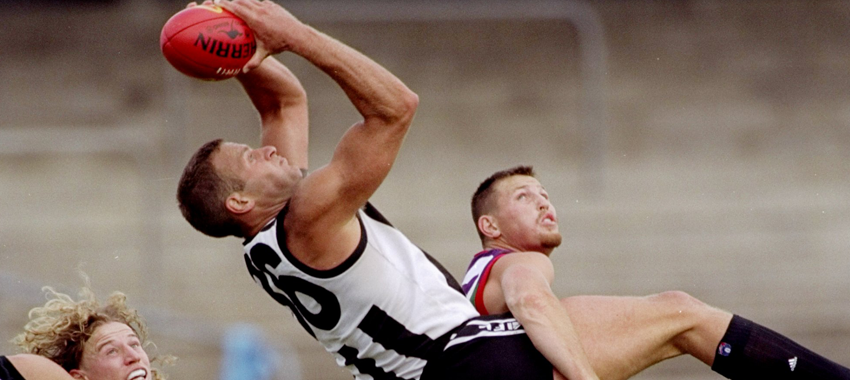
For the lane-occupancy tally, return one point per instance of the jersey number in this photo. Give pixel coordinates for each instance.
(262, 255)
(377, 324)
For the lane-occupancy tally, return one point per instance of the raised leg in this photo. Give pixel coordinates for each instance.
(624, 335)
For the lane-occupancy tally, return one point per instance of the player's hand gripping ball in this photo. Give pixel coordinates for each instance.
(207, 42)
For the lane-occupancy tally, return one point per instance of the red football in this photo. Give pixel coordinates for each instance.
(207, 42)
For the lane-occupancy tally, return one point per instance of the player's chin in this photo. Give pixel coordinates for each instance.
(551, 240)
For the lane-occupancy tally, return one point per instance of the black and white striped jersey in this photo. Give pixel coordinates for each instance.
(380, 312)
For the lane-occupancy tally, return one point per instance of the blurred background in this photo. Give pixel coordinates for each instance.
(701, 146)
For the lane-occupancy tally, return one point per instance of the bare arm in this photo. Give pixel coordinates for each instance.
(521, 283)
(325, 203)
(38, 367)
(282, 104)
(368, 149)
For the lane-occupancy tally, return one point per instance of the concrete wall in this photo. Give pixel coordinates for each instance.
(724, 172)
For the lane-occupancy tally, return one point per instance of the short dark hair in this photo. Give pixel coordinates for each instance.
(202, 193)
(481, 200)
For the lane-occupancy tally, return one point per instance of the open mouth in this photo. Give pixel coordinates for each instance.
(139, 374)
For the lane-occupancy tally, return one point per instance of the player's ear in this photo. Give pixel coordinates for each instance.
(77, 374)
(489, 227)
(238, 203)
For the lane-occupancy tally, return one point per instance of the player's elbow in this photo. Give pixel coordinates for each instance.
(396, 113)
(528, 302)
(297, 97)
(411, 99)
(407, 107)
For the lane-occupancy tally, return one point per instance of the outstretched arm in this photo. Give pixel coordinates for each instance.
(282, 104)
(326, 202)
(520, 283)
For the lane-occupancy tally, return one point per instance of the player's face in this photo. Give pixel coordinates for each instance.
(263, 172)
(113, 352)
(526, 218)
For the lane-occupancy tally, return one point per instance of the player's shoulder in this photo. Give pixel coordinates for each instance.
(31, 359)
(524, 261)
(319, 236)
(316, 203)
(32, 366)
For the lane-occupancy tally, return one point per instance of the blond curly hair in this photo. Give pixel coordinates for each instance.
(59, 329)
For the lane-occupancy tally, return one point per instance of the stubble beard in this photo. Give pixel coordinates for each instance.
(551, 240)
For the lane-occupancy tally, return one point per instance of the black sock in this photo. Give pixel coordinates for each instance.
(751, 351)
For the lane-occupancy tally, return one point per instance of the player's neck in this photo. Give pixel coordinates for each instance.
(501, 244)
(258, 218)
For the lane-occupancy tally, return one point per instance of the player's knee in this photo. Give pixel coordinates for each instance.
(681, 302)
(690, 319)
